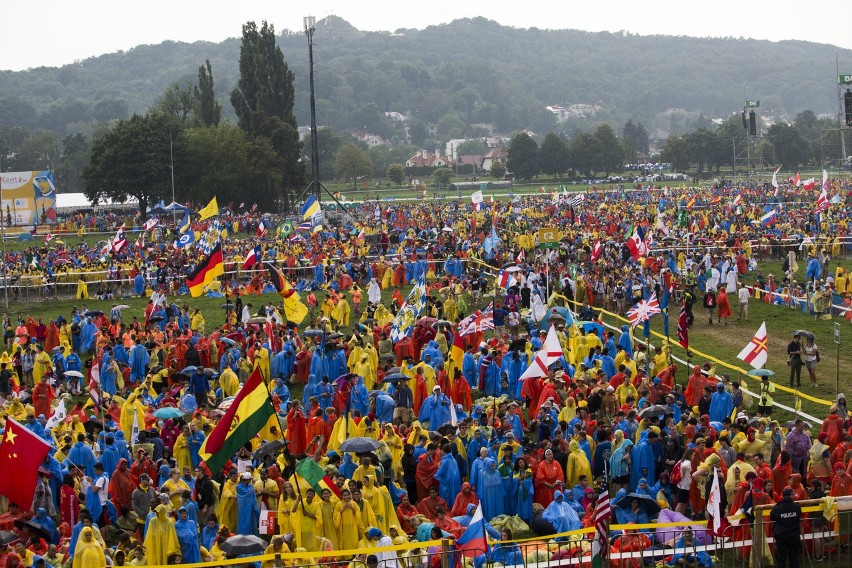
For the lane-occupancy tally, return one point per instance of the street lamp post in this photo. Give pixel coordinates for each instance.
(310, 27)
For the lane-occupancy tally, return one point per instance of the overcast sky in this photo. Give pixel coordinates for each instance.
(52, 32)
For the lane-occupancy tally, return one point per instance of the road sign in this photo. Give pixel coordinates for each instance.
(837, 333)
(548, 238)
(752, 104)
(844, 79)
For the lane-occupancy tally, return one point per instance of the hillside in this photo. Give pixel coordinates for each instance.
(474, 70)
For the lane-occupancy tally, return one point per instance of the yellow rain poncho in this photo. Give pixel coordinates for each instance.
(307, 524)
(88, 552)
(161, 539)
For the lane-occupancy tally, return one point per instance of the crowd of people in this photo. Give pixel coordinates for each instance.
(454, 426)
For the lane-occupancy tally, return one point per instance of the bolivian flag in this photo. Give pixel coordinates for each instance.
(294, 309)
(206, 271)
(247, 415)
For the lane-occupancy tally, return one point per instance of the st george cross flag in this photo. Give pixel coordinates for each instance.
(644, 310)
(755, 353)
(550, 352)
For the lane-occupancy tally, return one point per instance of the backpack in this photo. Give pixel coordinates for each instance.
(675, 478)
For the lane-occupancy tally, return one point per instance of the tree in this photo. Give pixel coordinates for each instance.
(328, 144)
(791, 149)
(352, 162)
(553, 155)
(523, 156)
(178, 102)
(472, 148)
(635, 140)
(610, 157)
(209, 109)
(442, 176)
(498, 169)
(263, 102)
(38, 151)
(703, 148)
(132, 160)
(584, 151)
(396, 173)
(676, 152)
(75, 156)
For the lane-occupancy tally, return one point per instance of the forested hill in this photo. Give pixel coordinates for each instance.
(475, 70)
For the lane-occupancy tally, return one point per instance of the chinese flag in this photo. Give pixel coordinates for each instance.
(21, 454)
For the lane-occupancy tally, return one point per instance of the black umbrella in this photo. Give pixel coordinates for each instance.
(395, 378)
(655, 410)
(335, 335)
(227, 306)
(387, 357)
(269, 448)
(359, 445)
(34, 528)
(446, 429)
(804, 333)
(243, 545)
(790, 423)
(645, 502)
(155, 319)
(8, 537)
(92, 313)
(90, 425)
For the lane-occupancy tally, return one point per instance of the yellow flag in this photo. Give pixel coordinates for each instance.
(211, 210)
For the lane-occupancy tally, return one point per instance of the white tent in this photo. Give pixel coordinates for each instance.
(70, 202)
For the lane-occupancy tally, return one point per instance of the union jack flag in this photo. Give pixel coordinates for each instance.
(479, 321)
(644, 310)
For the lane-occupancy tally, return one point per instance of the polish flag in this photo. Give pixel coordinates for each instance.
(809, 183)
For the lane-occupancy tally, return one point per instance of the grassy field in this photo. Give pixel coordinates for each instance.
(720, 341)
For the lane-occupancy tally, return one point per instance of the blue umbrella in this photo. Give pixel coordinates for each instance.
(190, 369)
(564, 313)
(168, 412)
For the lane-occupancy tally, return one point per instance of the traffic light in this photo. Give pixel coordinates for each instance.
(847, 106)
(745, 121)
(752, 123)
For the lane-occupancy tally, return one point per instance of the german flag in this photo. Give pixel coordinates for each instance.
(206, 270)
(247, 415)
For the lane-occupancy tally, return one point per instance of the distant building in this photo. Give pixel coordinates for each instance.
(394, 116)
(423, 159)
(370, 140)
(499, 154)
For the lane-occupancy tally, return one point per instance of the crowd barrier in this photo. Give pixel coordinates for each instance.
(825, 533)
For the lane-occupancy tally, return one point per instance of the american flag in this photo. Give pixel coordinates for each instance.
(644, 310)
(479, 321)
(602, 516)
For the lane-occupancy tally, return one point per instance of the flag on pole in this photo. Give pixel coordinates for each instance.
(522, 257)
(478, 322)
(472, 542)
(644, 310)
(21, 454)
(597, 249)
(261, 228)
(603, 514)
(505, 279)
(58, 416)
(457, 351)
(209, 210)
(149, 224)
(822, 201)
(315, 476)
(714, 499)
(409, 313)
(755, 353)
(824, 179)
(48, 237)
(768, 218)
(253, 258)
(797, 181)
(636, 245)
(809, 183)
(775, 180)
(310, 208)
(549, 353)
(134, 431)
(683, 327)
